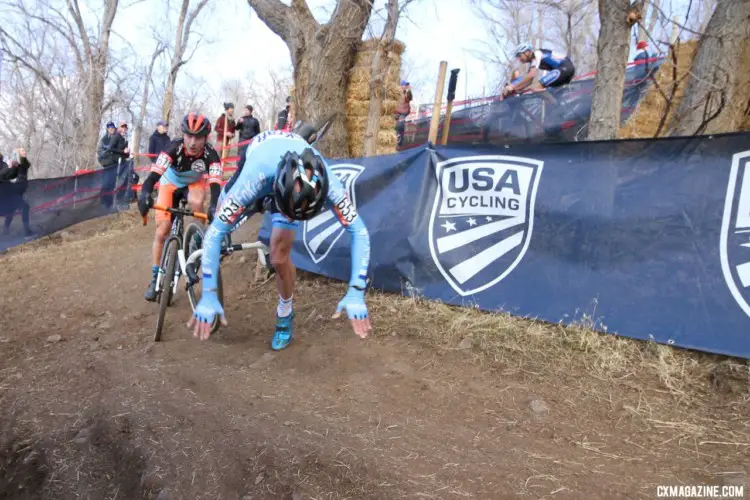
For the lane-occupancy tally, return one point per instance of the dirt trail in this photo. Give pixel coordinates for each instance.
(105, 413)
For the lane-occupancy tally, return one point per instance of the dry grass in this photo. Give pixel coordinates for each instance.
(559, 350)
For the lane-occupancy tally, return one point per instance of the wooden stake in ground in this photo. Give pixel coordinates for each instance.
(438, 101)
(451, 95)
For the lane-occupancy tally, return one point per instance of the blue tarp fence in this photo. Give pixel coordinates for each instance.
(650, 237)
(56, 203)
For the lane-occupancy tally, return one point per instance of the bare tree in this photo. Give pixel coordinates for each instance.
(710, 104)
(69, 55)
(507, 24)
(545, 22)
(617, 19)
(268, 96)
(653, 7)
(138, 132)
(184, 29)
(322, 55)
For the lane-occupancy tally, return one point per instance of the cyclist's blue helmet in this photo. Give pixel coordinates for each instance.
(298, 195)
(523, 48)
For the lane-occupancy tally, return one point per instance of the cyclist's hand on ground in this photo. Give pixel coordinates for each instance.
(203, 317)
(356, 310)
(145, 202)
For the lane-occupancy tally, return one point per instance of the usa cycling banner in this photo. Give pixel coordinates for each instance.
(650, 238)
(561, 114)
(35, 208)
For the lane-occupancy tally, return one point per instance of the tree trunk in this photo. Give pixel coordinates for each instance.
(617, 17)
(179, 51)
(381, 63)
(709, 105)
(97, 59)
(322, 56)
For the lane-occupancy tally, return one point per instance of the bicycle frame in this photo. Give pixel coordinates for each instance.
(175, 233)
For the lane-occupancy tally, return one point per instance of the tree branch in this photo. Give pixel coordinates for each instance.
(76, 13)
(189, 23)
(274, 14)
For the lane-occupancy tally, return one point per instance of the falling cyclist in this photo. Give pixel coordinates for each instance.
(285, 167)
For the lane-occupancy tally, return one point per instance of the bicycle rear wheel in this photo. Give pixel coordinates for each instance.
(193, 242)
(165, 295)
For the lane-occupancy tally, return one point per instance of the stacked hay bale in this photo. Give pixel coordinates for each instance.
(644, 122)
(358, 99)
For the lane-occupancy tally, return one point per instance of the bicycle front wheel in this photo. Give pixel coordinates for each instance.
(193, 242)
(165, 295)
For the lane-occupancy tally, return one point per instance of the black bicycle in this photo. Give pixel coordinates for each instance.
(193, 245)
(169, 274)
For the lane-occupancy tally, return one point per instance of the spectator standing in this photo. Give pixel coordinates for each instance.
(284, 119)
(159, 140)
(641, 59)
(226, 119)
(123, 131)
(113, 146)
(403, 109)
(248, 127)
(14, 180)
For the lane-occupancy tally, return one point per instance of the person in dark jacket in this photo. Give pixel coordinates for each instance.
(248, 127)
(283, 121)
(14, 180)
(112, 147)
(159, 140)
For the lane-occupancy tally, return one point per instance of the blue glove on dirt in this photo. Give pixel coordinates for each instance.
(354, 303)
(207, 310)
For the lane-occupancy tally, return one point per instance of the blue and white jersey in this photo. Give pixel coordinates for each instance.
(255, 182)
(548, 60)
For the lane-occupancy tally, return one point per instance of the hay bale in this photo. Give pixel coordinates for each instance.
(389, 106)
(360, 107)
(359, 123)
(358, 98)
(357, 107)
(387, 139)
(645, 120)
(399, 47)
(393, 90)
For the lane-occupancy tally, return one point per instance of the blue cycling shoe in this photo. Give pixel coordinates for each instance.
(283, 334)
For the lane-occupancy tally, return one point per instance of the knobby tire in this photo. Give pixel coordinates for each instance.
(170, 260)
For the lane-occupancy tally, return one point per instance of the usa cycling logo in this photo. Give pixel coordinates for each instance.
(482, 218)
(735, 231)
(321, 233)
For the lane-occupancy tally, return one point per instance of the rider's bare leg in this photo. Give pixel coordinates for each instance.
(286, 273)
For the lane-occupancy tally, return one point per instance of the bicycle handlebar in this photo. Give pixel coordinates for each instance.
(177, 211)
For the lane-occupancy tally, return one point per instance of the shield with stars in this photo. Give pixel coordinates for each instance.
(321, 233)
(735, 232)
(482, 218)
